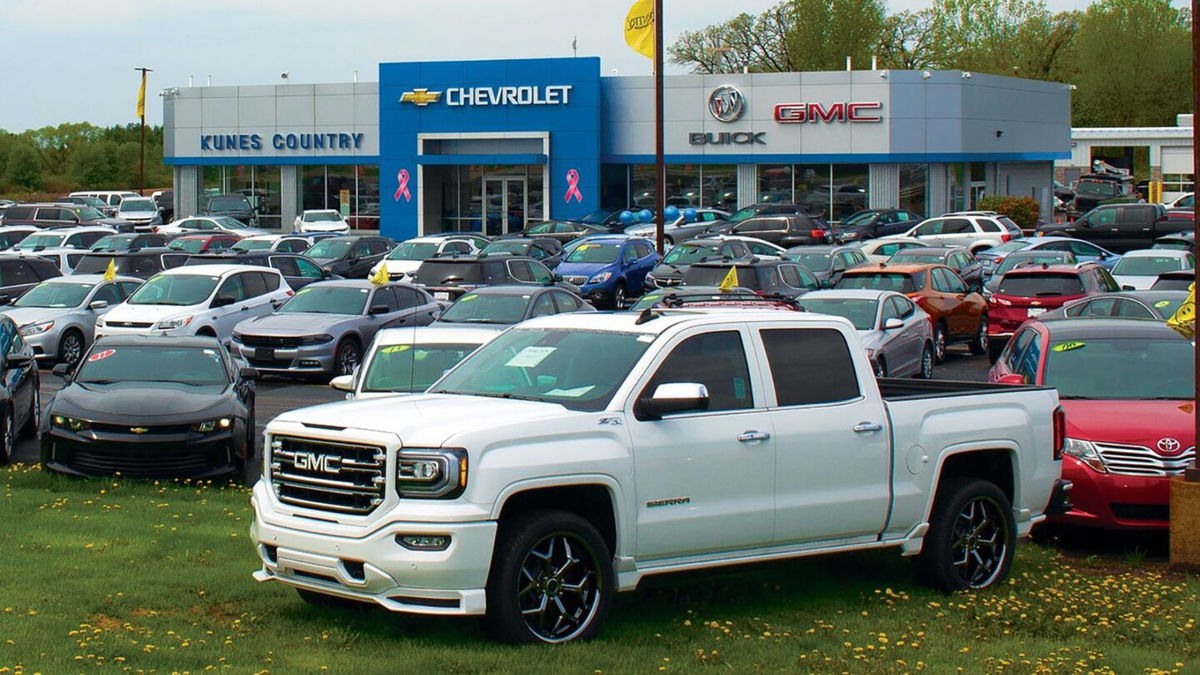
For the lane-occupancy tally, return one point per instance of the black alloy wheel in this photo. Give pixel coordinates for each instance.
(32, 423)
(939, 343)
(70, 348)
(926, 372)
(346, 359)
(620, 301)
(979, 346)
(8, 445)
(971, 538)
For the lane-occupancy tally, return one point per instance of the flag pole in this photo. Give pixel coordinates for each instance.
(660, 170)
(142, 143)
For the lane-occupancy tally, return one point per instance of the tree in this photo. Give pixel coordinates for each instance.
(54, 145)
(24, 168)
(92, 165)
(906, 41)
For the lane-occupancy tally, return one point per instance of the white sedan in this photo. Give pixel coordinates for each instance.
(882, 249)
(214, 224)
(1138, 270)
(321, 220)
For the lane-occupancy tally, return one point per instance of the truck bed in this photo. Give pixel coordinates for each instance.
(900, 389)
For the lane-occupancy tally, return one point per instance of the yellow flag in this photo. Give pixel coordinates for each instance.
(141, 107)
(639, 28)
(730, 281)
(1184, 318)
(110, 272)
(381, 275)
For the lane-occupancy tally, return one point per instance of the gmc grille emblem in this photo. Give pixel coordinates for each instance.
(314, 461)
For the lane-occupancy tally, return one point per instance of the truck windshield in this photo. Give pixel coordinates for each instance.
(1146, 369)
(550, 366)
(1097, 188)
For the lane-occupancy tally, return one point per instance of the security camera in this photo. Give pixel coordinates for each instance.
(966, 75)
(283, 76)
(926, 75)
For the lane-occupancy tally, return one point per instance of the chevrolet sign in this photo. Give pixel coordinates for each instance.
(420, 97)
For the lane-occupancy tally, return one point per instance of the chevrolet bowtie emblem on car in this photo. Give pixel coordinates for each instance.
(421, 97)
(139, 430)
(1169, 446)
(313, 461)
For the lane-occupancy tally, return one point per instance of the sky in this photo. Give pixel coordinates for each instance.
(87, 74)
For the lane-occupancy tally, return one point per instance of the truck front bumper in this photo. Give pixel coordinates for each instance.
(376, 567)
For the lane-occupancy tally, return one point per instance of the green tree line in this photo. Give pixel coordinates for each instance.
(78, 156)
(1130, 60)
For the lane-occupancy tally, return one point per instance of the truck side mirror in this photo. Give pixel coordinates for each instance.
(672, 397)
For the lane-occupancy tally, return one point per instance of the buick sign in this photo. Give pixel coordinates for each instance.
(727, 138)
(726, 103)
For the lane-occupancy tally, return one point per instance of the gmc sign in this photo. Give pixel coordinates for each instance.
(799, 113)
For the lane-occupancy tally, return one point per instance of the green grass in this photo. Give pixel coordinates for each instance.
(144, 577)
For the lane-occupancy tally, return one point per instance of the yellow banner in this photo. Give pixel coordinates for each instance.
(1184, 319)
(141, 106)
(381, 275)
(730, 281)
(639, 28)
(110, 272)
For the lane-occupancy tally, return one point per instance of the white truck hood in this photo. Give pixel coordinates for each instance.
(422, 421)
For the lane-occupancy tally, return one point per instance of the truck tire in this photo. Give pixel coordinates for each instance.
(971, 537)
(555, 566)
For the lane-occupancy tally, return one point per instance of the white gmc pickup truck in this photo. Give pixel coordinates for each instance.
(576, 454)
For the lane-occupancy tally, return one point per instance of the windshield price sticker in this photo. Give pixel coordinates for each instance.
(1161, 303)
(395, 349)
(530, 357)
(468, 297)
(1068, 346)
(102, 355)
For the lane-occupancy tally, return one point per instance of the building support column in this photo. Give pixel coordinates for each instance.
(188, 186)
(289, 197)
(939, 190)
(884, 188)
(747, 191)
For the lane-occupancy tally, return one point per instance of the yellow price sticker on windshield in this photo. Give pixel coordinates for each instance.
(468, 297)
(1161, 303)
(1068, 346)
(584, 247)
(394, 349)
(302, 291)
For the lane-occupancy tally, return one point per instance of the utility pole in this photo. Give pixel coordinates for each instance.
(660, 169)
(141, 110)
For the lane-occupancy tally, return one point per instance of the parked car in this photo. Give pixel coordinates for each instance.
(696, 295)
(402, 262)
(408, 360)
(516, 425)
(895, 332)
(272, 242)
(202, 243)
(112, 198)
(958, 259)
(1120, 227)
(707, 220)
(66, 237)
(785, 231)
(65, 258)
(763, 250)
(234, 206)
(297, 270)
(129, 242)
(1096, 189)
(545, 250)
(1124, 443)
(1028, 292)
(561, 230)
(449, 278)
(325, 327)
(769, 278)
(11, 235)
(1083, 251)
(58, 316)
(351, 257)
(19, 273)
(610, 271)
(1175, 281)
(1023, 259)
(165, 201)
(19, 396)
(210, 224)
(61, 215)
(1152, 305)
(156, 407)
(827, 263)
(142, 212)
(503, 306)
(321, 220)
(975, 231)
(768, 209)
(141, 263)
(1138, 270)
(1186, 200)
(1183, 241)
(674, 265)
(956, 314)
(202, 300)
(874, 223)
(882, 250)
(94, 202)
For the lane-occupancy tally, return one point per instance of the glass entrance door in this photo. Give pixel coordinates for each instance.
(505, 203)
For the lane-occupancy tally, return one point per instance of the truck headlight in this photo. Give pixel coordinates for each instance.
(36, 328)
(438, 473)
(600, 278)
(1085, 451)
(171, 324)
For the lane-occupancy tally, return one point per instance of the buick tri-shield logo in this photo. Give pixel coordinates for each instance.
(726, 103)
(1169, 446)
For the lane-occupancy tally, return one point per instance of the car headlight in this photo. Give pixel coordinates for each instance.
(72, 423)
(847, 236)
(99, 322)
(236, 337)
(36, 328)
(1085, 451)
(171, 324)
(600, 278)
(315, 339)
(209, 426)
(439, 473)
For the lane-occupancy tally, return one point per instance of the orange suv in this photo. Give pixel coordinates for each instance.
(957, 314)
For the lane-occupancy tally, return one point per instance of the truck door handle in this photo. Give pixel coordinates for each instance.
(752, 436)
(866, 427)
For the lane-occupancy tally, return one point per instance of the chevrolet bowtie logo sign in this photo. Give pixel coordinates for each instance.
(421, 97)
(139, 430)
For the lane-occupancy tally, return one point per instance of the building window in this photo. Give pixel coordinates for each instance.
(683, 186)
(260, 185)
(1178, 182)
(614, 186)
(811, 187)
(775, 183)
(718, 186)
(643, 192)
(849, 190)
(914, 188)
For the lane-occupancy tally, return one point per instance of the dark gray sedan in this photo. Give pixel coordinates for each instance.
(828, 263)
(324, 328)
(956, 258)
(503, 306)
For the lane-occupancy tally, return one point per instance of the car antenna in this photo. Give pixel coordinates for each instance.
(646, 316)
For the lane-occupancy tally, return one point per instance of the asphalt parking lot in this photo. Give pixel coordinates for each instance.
(277, 395)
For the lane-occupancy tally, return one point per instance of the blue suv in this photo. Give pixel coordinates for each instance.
(609, 270)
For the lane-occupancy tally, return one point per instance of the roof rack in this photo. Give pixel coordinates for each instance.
(675, 302)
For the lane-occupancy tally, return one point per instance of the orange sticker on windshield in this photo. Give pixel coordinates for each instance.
(102, 355)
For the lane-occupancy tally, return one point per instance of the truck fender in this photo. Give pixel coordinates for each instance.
(606, 481)
(1007, 446)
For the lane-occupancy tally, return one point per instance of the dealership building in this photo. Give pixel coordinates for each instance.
(493, 145)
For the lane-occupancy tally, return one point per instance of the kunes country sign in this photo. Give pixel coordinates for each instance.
(253, 142)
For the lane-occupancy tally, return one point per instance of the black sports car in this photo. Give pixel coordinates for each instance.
(18, 389)
(149, 407)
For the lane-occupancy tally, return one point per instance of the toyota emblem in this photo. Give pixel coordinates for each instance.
(1169, 446)
(726, 103)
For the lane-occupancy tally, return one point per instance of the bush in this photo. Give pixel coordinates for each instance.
(1024, 211)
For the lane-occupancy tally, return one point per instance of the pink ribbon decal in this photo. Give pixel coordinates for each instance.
(573, 187)
(402, 191)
